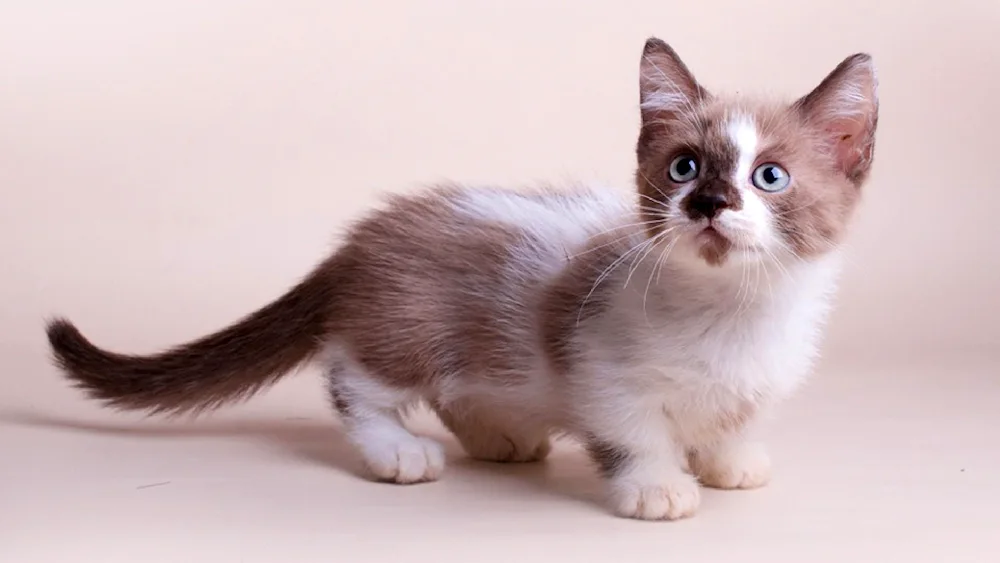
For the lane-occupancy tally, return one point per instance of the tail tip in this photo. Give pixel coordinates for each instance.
(62, 336)
(58, 329)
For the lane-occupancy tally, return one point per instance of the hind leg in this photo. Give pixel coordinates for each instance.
(372, 413)
(490, 435)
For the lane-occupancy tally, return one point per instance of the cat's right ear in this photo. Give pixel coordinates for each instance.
(667, 88)
(844, 110)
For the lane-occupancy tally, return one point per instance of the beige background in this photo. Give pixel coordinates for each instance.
(168, 166)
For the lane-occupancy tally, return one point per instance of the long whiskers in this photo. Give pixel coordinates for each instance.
(744, 290)
(638, 262)
(658, 203)
(635, 251)
(767, 274)
(657, 268)
(608, 270)
(652, 222)
(781, 267)
(653, 184)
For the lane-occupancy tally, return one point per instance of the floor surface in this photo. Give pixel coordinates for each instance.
(871, 465)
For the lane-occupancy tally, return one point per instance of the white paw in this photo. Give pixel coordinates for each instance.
(740, 466)
(405, 459)
(675, 497)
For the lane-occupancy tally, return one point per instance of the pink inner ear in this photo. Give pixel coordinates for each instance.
(848, 136)
(844, 107)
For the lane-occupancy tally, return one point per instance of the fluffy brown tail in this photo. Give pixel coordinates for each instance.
(227, 366)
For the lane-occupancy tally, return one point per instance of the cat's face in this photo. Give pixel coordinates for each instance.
(730, 180)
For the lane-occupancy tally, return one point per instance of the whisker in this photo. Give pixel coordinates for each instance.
(654, 200)
(767, 276)
(606, 272)
(634, 251)
(756, 281)
(662, 212)
(781, 268)
(636, 263)
(664, 263)
(609, 243)
(743, 287)
(744, 293)
(618, 228)
(600, 246)
(650, 182)
(627, 225)
(657, 268)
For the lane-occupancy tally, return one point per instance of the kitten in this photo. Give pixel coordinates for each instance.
(654, 329)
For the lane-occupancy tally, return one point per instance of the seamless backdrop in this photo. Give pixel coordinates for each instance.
(168, 166)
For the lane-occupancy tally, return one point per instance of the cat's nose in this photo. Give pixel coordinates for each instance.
(706, 204)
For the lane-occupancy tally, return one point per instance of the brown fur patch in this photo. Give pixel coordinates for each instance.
(714, 247)
(338, 397)
(423, 293)
(610, 459)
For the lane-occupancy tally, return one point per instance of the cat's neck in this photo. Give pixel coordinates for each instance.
(743, 286)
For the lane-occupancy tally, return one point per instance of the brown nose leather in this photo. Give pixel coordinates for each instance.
(706, 204)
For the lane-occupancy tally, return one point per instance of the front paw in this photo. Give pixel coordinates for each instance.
(738, 466)
(677, 496)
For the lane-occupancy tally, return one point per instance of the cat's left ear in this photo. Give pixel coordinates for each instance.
(844, 110)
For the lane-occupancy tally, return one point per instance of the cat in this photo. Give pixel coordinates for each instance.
(654, 325)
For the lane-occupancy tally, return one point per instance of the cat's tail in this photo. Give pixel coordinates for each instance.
(228, 366)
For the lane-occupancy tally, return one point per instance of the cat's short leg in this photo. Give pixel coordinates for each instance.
(731, 463)
(371, 412)
(489, 435)
(645, 469)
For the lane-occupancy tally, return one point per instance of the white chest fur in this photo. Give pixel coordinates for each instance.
(759, 341)
(711, 353)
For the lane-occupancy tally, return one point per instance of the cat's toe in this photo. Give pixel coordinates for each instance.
(670, 499)
(405, 461)
(745, 466)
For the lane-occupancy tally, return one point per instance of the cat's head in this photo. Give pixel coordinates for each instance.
(726, 179)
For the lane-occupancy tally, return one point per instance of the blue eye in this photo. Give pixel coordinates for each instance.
(771, 178)
(683, 169)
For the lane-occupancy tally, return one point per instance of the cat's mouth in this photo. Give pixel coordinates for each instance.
(712, 235)
(710, 232)
(716, 235)
(713, 245)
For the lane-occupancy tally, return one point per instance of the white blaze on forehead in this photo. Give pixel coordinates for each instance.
(756, 217)
(742, 132)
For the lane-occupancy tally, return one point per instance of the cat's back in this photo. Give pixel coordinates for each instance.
(567, 217)
(459, 253)
(456, 230)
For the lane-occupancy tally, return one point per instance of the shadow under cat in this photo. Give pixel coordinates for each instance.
(566, 473)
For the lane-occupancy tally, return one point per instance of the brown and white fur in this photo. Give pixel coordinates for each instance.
(654, 329)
